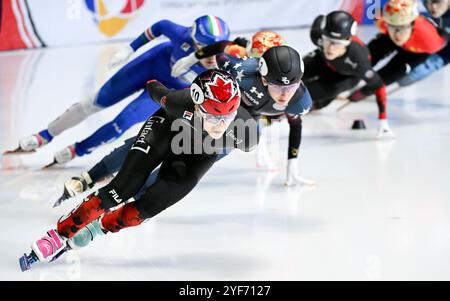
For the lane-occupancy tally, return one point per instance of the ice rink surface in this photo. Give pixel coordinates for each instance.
(380, 210)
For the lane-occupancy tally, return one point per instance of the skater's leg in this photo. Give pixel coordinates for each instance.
(149, 150)
(434, 63)
(137, 111)
(179, 174)
(381, 47)
(128, 80)
(177, 177)
(134, 75)
(154, 175)
(314, 66)
(122, 84)
(111, 163)
(324, 91)
(401, 65)
(103, 170)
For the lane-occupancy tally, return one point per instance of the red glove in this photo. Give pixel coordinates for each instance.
(357, 96)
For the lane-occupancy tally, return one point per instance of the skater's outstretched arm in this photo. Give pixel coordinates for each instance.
(183, 64)
(162, 28)
(219, 47)
(374, 84)
(294, 114)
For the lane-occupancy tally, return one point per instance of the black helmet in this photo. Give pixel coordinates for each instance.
(281, 65)
(339, 25)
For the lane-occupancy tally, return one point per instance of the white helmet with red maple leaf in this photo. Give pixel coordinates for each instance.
(216, 92)
(400, 12)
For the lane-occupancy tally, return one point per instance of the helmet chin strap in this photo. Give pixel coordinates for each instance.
(264, 81)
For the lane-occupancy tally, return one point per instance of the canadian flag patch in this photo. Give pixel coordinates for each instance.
(188, 115)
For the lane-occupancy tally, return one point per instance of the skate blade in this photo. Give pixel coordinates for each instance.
(344, 106)
(59, 201)
(62, 252)
(26, 261)
(18, 151)
(24, 265)
(48, 166)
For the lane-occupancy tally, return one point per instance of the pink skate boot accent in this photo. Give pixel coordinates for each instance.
(48, 246)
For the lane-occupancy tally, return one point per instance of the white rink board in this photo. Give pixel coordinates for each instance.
(76, 24)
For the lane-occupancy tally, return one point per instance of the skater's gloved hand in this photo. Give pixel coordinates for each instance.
(75, 186)
(384, 131)
(121, 56)
(356, 96)
(184, 64)
(263, 159)
(293, 177)
(242, 41)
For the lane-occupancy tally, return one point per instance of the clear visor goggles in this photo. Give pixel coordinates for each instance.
(216, 119)
(284, 89)
(336, 41)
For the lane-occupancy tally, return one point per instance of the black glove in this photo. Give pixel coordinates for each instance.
(357, 96)
(242, 41)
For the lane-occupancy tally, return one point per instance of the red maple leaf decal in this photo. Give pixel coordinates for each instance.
(222, 90)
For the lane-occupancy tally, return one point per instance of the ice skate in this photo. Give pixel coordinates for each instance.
(28, 145)
(64, 156)
(46, 249)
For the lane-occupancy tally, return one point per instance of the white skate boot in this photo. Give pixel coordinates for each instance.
(32, 142)
(65, 155)
(28, 144)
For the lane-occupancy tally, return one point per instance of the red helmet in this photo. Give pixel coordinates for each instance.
(216, 92)
(264, 40)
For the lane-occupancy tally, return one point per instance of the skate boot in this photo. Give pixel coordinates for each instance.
(86, 235)
(46, 249)
(65, 155)
(29, 144)
(75, 186)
